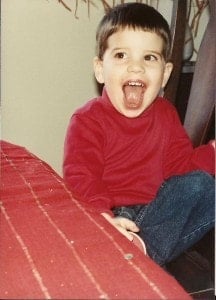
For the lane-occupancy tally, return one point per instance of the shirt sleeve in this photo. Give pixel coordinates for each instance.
(180, 155)
(83, 162)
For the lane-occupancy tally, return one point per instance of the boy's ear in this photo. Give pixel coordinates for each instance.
(98, 69)
(167, 73)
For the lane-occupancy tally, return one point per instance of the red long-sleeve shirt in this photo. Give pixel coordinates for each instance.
(111, 160)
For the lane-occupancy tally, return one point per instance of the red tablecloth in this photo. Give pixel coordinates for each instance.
(53, 247)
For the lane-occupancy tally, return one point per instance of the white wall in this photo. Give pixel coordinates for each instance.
(46, 71)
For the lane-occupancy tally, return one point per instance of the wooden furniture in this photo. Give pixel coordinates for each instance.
(55, 247)
(201, 103)
(184, 87)
(199, 116)
(178, 24)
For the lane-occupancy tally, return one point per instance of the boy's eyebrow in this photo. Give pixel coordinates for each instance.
(119, 48)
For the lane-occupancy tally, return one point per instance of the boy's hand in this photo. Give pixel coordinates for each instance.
(213, 143)
(122, 224)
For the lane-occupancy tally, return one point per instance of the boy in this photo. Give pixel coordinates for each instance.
(127, 154)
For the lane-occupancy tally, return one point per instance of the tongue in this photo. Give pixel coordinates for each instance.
(133, 95)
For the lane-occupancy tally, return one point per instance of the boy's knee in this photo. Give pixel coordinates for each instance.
(200, 187)
(202, 180)
(195, 182)
(196, 178)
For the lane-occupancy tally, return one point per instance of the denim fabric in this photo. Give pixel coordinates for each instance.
(180, 215)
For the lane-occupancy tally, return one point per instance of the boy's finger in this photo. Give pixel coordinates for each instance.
(130, 225)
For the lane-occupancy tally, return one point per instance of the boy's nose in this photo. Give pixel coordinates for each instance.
(136, 67)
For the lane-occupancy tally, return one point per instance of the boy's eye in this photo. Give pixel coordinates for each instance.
(151, 57)
(120, 55)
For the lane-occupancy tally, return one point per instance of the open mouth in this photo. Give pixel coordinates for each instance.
(133, 93)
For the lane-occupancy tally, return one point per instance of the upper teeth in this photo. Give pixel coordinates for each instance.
(133, 83)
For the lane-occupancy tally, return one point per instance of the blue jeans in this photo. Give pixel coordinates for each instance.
(180, 215)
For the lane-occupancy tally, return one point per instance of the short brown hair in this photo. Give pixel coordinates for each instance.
(133, 15)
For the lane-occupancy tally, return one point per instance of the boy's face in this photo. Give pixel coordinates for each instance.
(133, 70)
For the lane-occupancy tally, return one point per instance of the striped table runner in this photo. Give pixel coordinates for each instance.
(53, 247)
